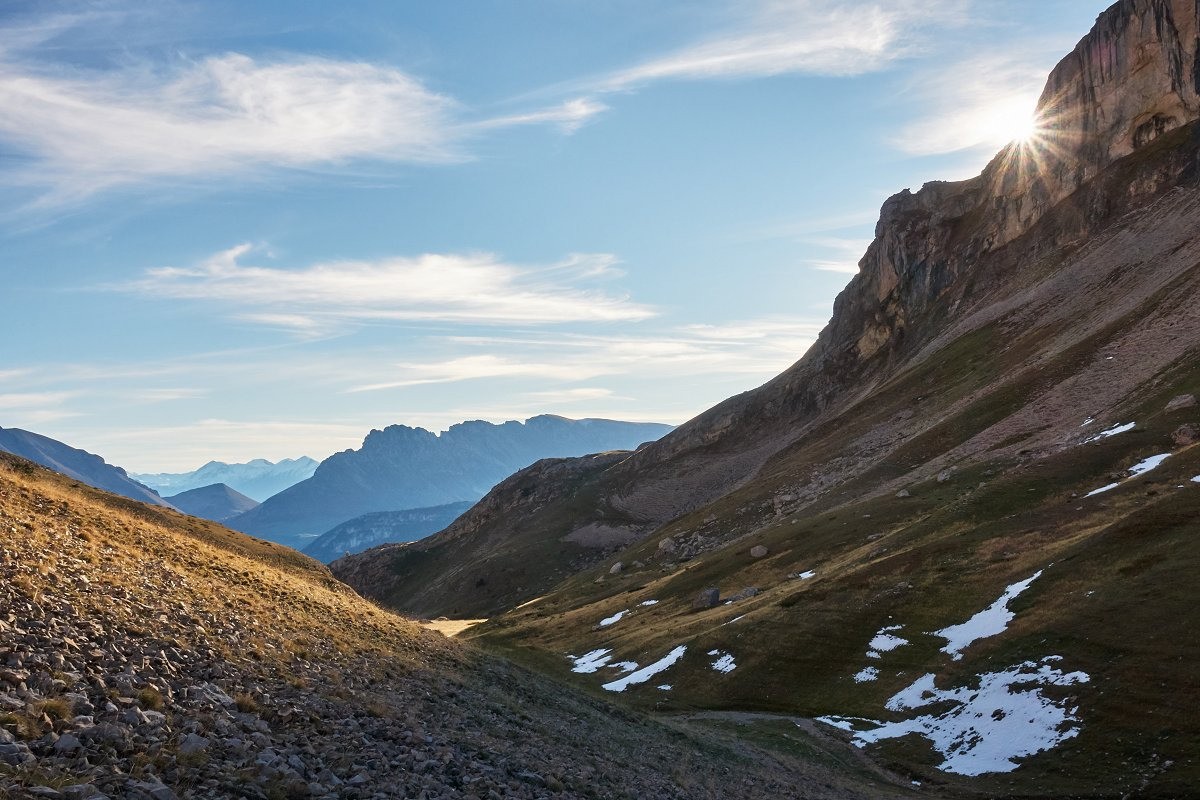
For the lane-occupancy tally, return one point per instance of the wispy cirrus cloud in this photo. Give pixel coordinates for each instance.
(219, 115)
(777, 37)
(476, 289)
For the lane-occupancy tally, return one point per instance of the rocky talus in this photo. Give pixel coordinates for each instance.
(144, 654)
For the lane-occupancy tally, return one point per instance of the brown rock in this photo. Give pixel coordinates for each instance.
(1185, 435)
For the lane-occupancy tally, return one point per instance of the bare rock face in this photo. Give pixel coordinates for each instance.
(1180, 402)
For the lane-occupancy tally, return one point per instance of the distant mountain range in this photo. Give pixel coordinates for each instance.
(217, 502)
(401, 468)
(79, 464)
(257, 479)
(382, 527)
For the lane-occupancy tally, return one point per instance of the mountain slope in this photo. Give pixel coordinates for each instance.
(257, 479)
(400, 467)
(999, 417)
(78, 464)
(150, 655)
(371, 530)
(217, 502)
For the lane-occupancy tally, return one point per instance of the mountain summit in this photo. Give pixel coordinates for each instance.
(400, 468)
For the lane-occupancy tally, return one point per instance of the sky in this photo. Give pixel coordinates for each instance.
(233, 229)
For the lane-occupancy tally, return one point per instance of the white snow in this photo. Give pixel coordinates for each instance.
(735, 619)
(648, 603)
(1196, 479)
(1005, 718)
(590, 662)
(1113, 431)
(884, 641)
(724, 662)
(989, 622)
(624, 666)
(666, 687)
(806, 575)
(866, 675)
(646, 673)
(1140, 468)
(1147, 464)
(874, 654)
(1087, 422)
(615, 618)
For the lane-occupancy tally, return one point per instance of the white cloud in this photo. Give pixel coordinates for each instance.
(221, 114)
(798, 36)
(569, 116)
(980, 102)
(475, 289)
(475, 367)
(32, 400)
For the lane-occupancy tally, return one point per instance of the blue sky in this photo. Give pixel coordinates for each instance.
(259, 229)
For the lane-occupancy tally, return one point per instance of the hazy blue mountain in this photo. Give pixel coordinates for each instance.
(402, 468)
(257, 479)
(217, 502)
(79, 464)
(382, 527)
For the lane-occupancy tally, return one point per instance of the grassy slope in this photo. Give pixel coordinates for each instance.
(155, 578)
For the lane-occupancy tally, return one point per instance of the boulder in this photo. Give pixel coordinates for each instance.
(1185, 435)
(616, 568)
(706, 598)
(758, 551)
(1181, 401)
(744, 594)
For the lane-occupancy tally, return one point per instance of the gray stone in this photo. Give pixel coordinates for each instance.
(67, 743)
(903, 493)
(945, 475)
(666, 545)
(706, 598)
(1181, 401)
(616, 568)
(744, 594)
(758, 551)
(192, 744)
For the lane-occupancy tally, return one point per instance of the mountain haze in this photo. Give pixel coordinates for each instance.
(217, 502)
(380, 527)
(75, 463)
(977, 493)
(400, 468)
(257, 479)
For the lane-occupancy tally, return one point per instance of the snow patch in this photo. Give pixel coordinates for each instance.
(1005, 718)
(666, 687)
(1113, 431)
(992, 620)
(885, 642)
(1147, 464)
(624, 666)
(866, 675)
(807, 574)
(724, 662)
(735, 619)
(648, 603)
(615, 618)
(1196, 479)
(1087, 422)
(1140, 468)
(646, 673)
(590, 662)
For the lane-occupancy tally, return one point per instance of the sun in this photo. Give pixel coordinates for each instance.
(1022, 129)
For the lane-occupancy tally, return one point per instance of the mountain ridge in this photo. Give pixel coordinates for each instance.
(401, 467)
(258, 478)
(217, 502)
(79, 464)
(1005, 390)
